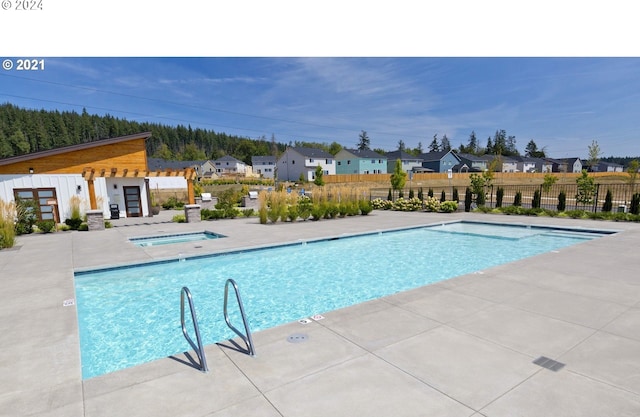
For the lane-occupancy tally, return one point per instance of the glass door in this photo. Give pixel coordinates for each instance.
(132, 202)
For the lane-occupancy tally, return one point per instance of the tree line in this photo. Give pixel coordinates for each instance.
(24, 131)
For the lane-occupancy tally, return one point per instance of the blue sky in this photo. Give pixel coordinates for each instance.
(563, 104)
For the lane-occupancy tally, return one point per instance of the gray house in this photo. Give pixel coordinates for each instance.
(298, 162)
(264, 166)
(409, 162)
(439, 161)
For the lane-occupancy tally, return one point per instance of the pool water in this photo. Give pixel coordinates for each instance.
(131, 315)
(174, 238)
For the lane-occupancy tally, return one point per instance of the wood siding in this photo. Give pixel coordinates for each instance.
(129, 155)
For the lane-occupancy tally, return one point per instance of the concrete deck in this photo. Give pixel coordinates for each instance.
(462, 347)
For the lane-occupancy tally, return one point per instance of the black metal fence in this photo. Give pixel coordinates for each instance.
(621, 195)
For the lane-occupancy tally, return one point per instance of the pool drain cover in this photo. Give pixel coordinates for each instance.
(297, 338)
(545, 362)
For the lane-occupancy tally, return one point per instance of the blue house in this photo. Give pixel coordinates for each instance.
(356, 161)
(439, 161)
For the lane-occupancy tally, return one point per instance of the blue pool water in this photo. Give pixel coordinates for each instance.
(131, 315)
(174, 238)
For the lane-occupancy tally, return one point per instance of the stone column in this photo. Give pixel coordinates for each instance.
(95, 220)
(192, 213)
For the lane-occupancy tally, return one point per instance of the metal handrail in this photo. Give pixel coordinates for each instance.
(199, 348)
(246, 338)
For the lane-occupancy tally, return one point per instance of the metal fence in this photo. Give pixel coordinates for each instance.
(621, 195)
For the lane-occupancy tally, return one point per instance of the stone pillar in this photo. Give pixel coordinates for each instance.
(192, 213)
(95, 220)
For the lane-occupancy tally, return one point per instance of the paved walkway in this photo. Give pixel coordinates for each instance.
(462, 347)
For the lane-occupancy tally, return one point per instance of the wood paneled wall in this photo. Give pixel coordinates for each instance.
(123, 155)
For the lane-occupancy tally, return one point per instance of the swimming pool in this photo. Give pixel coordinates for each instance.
(173, 238)
(131, 315)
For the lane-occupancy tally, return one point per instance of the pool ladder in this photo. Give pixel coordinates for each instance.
(247, 336)
(199, 347)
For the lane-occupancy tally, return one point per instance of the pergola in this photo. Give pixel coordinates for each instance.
(89, 174)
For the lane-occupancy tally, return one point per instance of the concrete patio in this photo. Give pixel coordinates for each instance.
(462, 347)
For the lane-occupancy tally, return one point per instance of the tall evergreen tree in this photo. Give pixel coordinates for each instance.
(364, 142)
(433, 146)
(445, 145)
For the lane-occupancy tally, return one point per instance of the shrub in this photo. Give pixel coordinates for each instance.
(535, 203)
(443, 196)
(430, 192)
(304, 207)
(499, 196)
(411, 193)
(432, 204)
(208, 214)
(172, 203)
(248, 212)
(562, 201)
(413, 204)
(512, 210)
(107, 224)
(317, 212)
(517, 200)
(608, 202)
(448, 206)
(331, 210)
(27, 215)
(74, 224)
(380, 204)
(455, 197)
(635, 204)
(292, 213)
(46, 226)
(365, 207)
(7, 227)
(390, 196)
(480, 199)
(468, 196)
(576, 214)
(83, 227)
(179, 218)
(421, 194)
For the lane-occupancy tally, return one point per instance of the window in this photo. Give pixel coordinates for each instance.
(349, 162)
(310, 160)
(373, 161)
(46, 198)
(339, 163)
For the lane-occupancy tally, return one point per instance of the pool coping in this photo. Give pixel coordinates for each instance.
(41, 348)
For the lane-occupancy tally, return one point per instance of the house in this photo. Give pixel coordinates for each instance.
(100, 174)
(264, 166)
(439, 161)
(230, 166)
(409, 162)
(297, 162)
(508, 164)
(607, 167)
(360, 161)
(566, 165)
(475, 163)
(526, 164)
